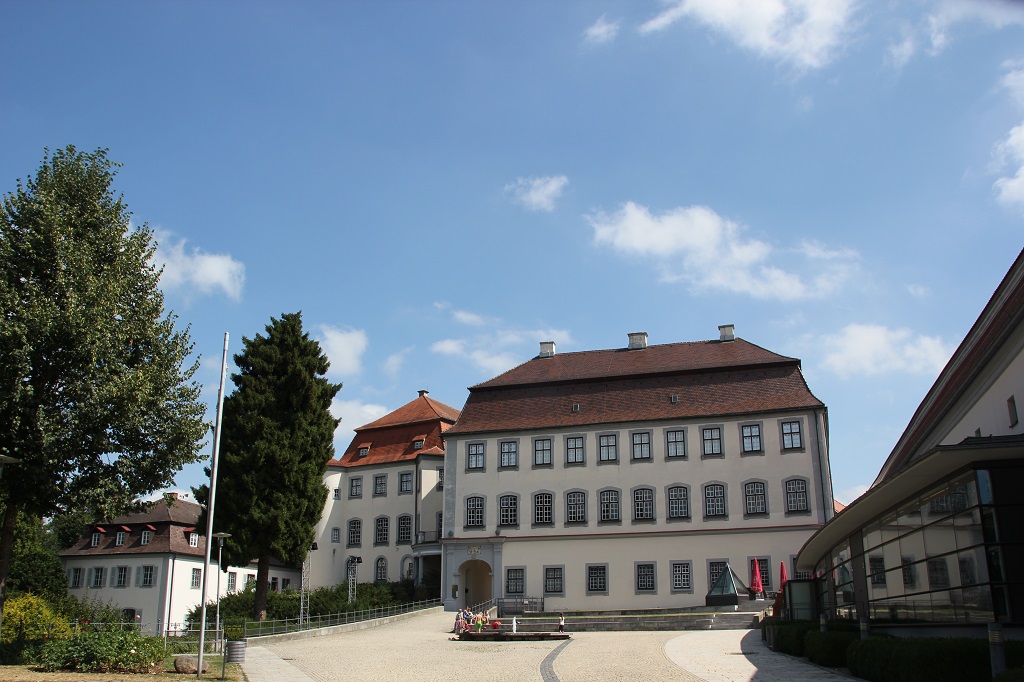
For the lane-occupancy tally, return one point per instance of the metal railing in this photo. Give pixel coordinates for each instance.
(424, 537)
(255, 628)
(517, 606)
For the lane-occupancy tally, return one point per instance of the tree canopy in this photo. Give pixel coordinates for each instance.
(97, 397)
(277, 435)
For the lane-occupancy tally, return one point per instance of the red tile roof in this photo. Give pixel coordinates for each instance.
(391, 438)
(708, 379)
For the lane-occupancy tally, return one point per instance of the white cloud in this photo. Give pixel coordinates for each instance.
(694, 244)
(1010, 152)
(993, 13)
(353, 414)
(394, 362)
(197, 270)
(501, 349)
(848, 495)
(804, 33)
(1013, 82)
(469, 318)
(344, 348)
(869, 349)
(899, 54)
(601, 31)
(538, 194)
(918, 290)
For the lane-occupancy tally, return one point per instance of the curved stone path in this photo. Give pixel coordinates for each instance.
(421, 647)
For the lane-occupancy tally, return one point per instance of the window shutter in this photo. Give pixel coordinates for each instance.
(138, 576)
(112, 576)
(88, 576)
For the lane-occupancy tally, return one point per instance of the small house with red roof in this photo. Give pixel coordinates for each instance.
(632, 477)
(383, 514)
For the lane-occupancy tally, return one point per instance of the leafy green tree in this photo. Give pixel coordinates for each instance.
(277, 436)
(96, 398)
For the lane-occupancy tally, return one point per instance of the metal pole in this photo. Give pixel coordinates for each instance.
(211, 501)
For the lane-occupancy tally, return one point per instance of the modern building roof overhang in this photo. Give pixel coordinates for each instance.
(940, 463)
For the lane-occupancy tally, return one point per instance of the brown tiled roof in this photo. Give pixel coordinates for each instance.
(669, 358)
(168, 521)
(391, 438)
(708, 379)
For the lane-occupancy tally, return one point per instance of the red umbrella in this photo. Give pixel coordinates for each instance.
(756, 586)
(782, 574)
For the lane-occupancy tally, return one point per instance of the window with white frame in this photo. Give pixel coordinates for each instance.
(714, 499)
(382, 530)
(381, 573)
(682, 576)
(715, 571)
(405, 482)
(197, 578)
(475, 456)
(380, 485)
(146, 536)
(193, 539)
(148, 576)
(355, 487)
(675, 443)
(509, 454)
(711, 437)
(119, 538)
(336, 535)
(791, 437)
(355, 533)
(597, 578)
(678, 502)
(610, 505)
(796, 495)
(645, 577)
(643, 504)
(508, 510)
(440, 479)
(232, 581)
(754, 496)
(542, 452)
(574, 450)
(554, 580)
(363, 452)
(474, 511)
(515, 579)
(417, 444)
(121, 576)
(642, 445)
(576, 507)
(607, 448)
(751, 437)
(95, 540)
(97, 577)
(76, 577)
(337, 493)
(542, 508)
(405, 529)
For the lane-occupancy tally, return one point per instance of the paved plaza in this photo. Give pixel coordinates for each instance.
(421, 647)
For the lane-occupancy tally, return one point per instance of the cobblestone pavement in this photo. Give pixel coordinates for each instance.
(420, 648)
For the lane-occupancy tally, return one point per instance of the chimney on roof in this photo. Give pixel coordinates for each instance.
(547, 349)
(637, 340)
(726, 332)
(423, 392)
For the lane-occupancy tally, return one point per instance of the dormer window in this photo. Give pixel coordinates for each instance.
(95, 540)
(363, 452)
(146, 535)
(119, 541)
(417, 444)
(193, 539)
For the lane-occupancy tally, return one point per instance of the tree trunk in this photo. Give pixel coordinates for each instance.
(6, 550)
(259, 607)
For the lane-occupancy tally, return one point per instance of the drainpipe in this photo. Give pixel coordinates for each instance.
(170, 596)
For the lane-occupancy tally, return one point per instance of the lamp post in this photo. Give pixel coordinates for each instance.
(220, 569)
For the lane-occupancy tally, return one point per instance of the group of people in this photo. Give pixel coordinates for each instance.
(467, 620)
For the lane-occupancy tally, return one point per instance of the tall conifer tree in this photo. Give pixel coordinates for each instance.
(276, 439)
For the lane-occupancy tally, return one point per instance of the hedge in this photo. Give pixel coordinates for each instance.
(926, 659)
(829, 648)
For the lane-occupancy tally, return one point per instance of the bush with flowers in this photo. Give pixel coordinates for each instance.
(103, 650)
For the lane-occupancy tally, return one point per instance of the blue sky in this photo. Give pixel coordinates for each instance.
(440, 186)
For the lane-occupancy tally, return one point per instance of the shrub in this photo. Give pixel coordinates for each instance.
(28, 618)
(1010, 675)
(104, 650)
(789, 637)
(828, 648)
(899, 659)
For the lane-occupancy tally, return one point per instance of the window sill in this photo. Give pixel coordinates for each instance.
(677, 458)
(613, 522)
(644, 522)
(678, 519)
(576, 464)
(641, 460)
(752, 453)
(716, 517)
(717, 456)
(514, 467)
(602, 462)
(799, 512)
(542, 466)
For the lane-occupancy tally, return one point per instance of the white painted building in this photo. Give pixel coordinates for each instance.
(384, 502)
(630, 478)
(150, 564)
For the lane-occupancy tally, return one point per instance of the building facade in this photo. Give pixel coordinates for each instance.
(937, 538)
(150, 564)
(631, 478)
(383, 513)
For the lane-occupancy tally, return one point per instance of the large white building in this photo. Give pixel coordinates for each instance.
(150, 564)
(383, 511)
(631, 477)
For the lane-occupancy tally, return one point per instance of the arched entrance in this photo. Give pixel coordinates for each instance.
(476, 582)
